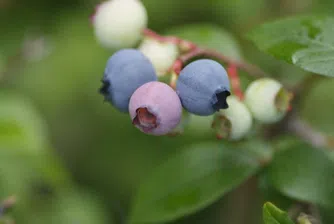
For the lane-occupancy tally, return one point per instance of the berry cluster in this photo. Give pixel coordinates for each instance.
(133, 79)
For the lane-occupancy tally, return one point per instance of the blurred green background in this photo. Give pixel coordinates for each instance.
(69, 157)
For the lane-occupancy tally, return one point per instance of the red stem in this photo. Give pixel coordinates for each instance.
(200, 52)
(154, 35)
(184, 45)
(192, 51)
(232, 71)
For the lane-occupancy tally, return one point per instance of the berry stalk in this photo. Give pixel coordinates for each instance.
(183, 45)
(232, 71)
(201, 52)
(303, 130)
(150, 33)
(193, 51)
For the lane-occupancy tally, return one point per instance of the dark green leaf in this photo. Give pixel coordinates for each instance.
(273, 215)
(327, 215)
(209, 36)
(305, 41)
(190, 181)
(74, 207)
(304, 173)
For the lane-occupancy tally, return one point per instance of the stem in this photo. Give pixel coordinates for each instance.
(232, 71)
(184, 45)
(304, 131)
(156, 36)
(195, 51)
(304, 213)
(200, 52)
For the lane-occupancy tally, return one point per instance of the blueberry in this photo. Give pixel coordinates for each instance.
(155, 108)
(126, 70)
(203, 87)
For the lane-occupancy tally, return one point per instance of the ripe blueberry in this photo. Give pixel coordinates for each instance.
(119, 23)
(155, 108)
(126, 70)
(203, 87)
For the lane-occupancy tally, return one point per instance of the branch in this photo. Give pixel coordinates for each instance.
(304, 131)
(232, 71)
(304, 213)
(195, 51)
(184, 45)
(201, 52)
(293, 124)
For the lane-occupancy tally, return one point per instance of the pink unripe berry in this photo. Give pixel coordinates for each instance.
(155, 108)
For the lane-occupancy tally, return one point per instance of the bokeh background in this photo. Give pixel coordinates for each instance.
(73, 158)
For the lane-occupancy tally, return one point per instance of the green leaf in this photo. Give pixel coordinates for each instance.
(304, 173)
(21, 127)
(190, 181)
(273, 215)
(209, 36)
(73, 207)
(305, 41)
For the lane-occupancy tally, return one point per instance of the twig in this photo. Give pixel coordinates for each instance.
(295, 210)
(304, 131)
(158, 37)
(316, 217)
(195, 51)
(201, 52)
(304, 213)
(184, 45)
(232, 70)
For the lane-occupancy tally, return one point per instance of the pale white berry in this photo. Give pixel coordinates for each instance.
(235, 122)
(119, 23)
(161, 54)
(267, 100)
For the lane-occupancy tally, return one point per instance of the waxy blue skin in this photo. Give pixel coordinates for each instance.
(203, 86)
(126, 70)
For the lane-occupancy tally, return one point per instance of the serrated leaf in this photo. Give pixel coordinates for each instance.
(305, 41)
(274, 215)
(304, 173)
(190, 181)
(209, 36)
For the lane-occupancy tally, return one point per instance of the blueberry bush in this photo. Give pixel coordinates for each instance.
(142, 111)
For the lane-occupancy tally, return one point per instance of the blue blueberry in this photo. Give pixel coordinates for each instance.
(126, 70)
(203, 87)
